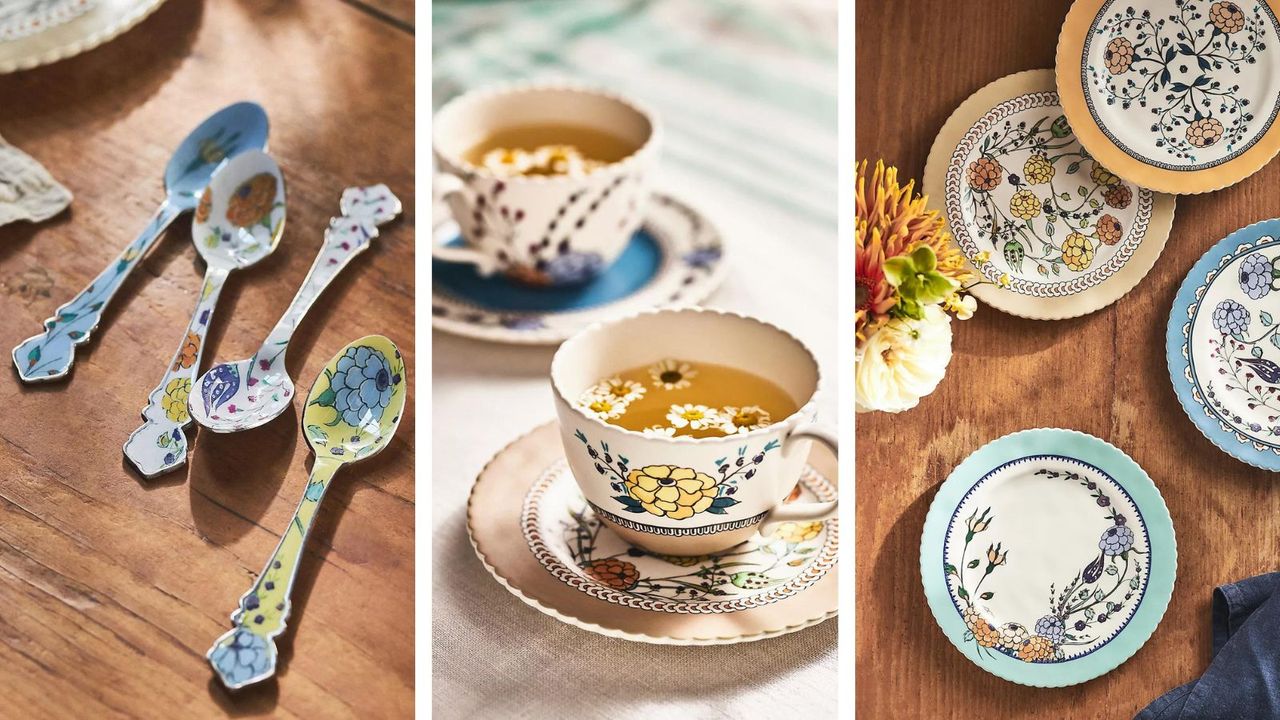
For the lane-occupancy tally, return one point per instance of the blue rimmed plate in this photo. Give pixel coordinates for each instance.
(1048, 557)
(675, 258)
(1223, 344)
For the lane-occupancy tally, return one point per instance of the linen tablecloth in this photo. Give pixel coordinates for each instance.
(747, 94)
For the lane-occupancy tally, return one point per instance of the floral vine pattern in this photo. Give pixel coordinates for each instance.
(671, 491)
(571, 541)
(1240, 378)
(1032, 210)
(1188, 77)
(1081, 614)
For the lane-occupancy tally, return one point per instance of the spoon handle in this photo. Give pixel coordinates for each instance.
(48, 356)
(247, 653)
(363, 210)
(159, 445)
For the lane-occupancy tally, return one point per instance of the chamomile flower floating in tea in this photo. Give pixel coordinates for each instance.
(674, 397)
(547, 150)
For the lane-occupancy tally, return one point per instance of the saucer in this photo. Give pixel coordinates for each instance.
(538, 536)
(1180, 96)
(75, 26)
(1223, 345)
(1048, 557)
(675, 258)
(1052, 233)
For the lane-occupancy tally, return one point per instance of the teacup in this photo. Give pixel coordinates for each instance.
(761, 467)
(541, 230)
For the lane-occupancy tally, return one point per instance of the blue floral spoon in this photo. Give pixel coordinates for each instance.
(352, 412)
(244, 394)
(238, 222)
(225, 134)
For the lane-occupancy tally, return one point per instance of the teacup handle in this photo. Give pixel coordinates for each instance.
(810, 511)
(446, 188)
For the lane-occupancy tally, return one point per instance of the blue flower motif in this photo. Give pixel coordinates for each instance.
(246, 657)
(1255, 276)
(1231, 318)
(1115, 540)
(219, 385)
(572, 268)
(522, 322)
(362, 386)
(1051, 627)
(702, 257)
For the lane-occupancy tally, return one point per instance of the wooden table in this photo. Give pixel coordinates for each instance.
(113, 587)
(1103, 374)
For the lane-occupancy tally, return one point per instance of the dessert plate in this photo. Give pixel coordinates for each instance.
(1048, 557)
(1223, 344)
(537, 536)
(19, 18)
(675, 258)
(1051, 232)
(100, 22)
(1179, 96)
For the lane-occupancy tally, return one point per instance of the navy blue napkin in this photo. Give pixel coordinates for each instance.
(1243, 679)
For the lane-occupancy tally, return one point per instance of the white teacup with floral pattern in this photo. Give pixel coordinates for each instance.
(541, 230)
(721, 489)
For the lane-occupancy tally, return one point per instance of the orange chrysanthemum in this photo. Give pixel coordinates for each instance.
(891, 221)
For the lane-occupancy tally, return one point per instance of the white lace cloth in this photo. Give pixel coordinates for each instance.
(27, 191)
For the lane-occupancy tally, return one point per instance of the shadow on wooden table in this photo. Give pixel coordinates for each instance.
(94, 89)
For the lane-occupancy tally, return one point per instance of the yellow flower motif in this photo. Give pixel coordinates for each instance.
(1004, 280)
(1103, 176)
(671, 491)
(175, 399)
(982, 258)
(1077, 251)
(1024, 204)
(798, 532)
(1037, 170)
(683, 560)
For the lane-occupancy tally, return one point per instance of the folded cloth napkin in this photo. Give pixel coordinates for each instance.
(1243, 679)
(27, 190)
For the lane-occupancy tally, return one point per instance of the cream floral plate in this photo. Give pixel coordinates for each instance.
(1051, 232)
(1180, 96)
(537, 535)
(79, 26)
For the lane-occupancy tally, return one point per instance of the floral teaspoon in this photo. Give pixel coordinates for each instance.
(247, 393)
(225, 134)
(237, 223)
(351, 414)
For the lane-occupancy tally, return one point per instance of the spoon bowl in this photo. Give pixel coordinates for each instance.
(228, 132)
(355, 405)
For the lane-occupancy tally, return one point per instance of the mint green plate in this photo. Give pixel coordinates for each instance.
(1048, 557)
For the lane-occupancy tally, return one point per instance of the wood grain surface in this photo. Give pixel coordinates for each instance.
(113, 588)
(1103, 374)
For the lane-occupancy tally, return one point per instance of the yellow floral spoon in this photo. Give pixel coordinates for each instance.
(352, 412)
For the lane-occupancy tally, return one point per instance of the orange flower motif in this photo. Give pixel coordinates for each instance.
(614, 573)
(190, 348)
(1037, 649)
(528, 275)
(252, 201)
(206, 204)
(983, 631)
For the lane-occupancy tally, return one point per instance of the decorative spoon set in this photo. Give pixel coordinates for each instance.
(236, 191)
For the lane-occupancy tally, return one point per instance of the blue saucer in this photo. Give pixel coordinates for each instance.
(635, 267)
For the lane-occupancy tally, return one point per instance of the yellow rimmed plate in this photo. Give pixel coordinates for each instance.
(1179, 97)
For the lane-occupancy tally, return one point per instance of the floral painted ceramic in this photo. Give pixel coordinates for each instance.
(684, 495)
(245, 394)
(676, 257)
(567, 537)
(542, 231)
(1223, 344)
(1169, 89)
(38, 32)
(227, 133)
(19, 18)
(1048, 557)
(1052, 232)
(238, 222)
(564, 561)
(352, 412)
